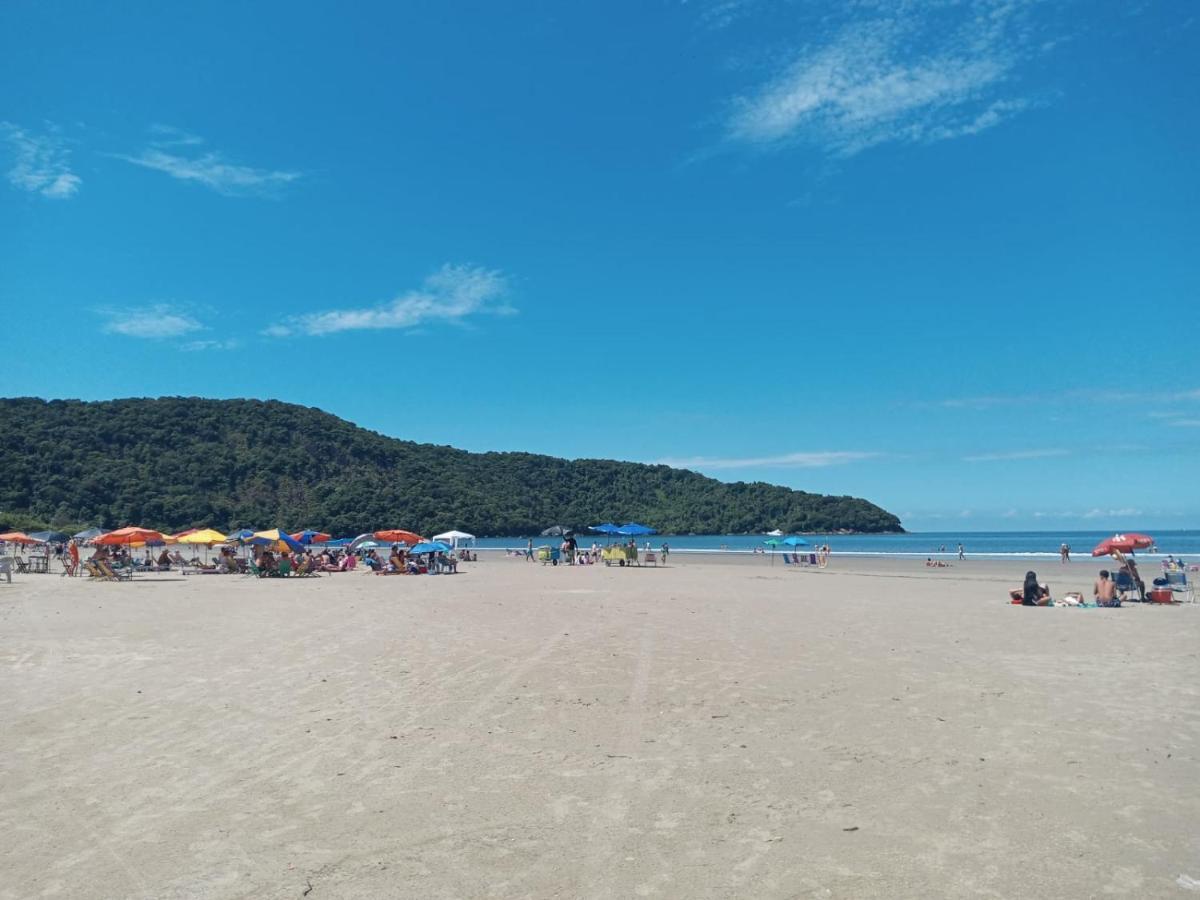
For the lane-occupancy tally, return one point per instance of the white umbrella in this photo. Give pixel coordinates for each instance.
(453, 537)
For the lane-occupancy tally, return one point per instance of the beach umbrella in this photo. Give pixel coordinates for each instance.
(17, 537)
(429, 547)
(308, 536)
(276, 539)
(606, 528)
(1126, 543)
(339, 542)
(795, 541)
(89, 534)
(398, 536)
(633, 529)
(368, 544)
(130, 535)
(453, 537)
(557, 531)
(241, 535)
(201, 536)
(50, 537)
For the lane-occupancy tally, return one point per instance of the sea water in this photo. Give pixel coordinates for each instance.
(917, 544)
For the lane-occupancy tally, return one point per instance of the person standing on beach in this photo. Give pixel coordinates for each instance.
(961, 553)
(529, 550)
(1064, 552)
(665, 550)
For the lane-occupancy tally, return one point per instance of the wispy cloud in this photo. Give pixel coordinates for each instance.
(893, 71)
(200, 346)
(1070, 397)
(154, 322)
(177, 153)
(805, 460)
(1184, 423)
(40, 163)
(1124, 512)
(451, 294)
(1045, 453)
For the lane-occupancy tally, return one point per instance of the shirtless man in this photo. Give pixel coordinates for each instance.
(1105, 590)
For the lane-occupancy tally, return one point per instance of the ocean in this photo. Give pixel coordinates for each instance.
(917, 544)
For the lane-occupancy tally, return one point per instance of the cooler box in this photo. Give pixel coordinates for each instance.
(1161, 595)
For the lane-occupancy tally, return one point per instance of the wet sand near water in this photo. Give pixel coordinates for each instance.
(874, 729)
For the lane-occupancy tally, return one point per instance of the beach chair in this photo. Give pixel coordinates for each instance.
(285, 566)
(1124, 583)
(1179, 585)
(651, 559)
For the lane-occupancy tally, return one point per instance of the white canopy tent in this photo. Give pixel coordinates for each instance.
(454, 538)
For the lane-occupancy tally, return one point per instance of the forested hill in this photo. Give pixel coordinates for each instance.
(175, 463)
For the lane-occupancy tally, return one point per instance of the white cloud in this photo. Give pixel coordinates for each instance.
(451, 294)
(1018, 454)
(157, 321)
(808, 460)
(1125, 512)
(198, 346)
(168, 152)
(41, 163)
(900, 72)
(1185, 423)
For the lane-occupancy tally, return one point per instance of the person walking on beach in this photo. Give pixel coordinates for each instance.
(961, 553)
(665, 550)
(529, 550)
(1064, 552)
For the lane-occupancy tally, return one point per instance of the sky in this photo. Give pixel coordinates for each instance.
(943, 255)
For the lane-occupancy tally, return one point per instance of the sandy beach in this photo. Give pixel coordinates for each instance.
(875, 729)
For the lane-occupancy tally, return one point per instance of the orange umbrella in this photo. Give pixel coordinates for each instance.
(130, 535)
(395, 535)
(17, 537)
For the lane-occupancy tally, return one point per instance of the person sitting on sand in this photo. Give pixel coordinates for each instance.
(1105, 590)
(164, 558)
(1032, 593)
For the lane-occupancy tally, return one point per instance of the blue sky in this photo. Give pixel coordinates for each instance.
(942, 255)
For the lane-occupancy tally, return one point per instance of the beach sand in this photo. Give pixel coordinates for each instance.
(875, 729)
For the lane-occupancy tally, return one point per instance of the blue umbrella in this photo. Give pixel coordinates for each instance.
(50, 537)
(633, 529)
(430, 547)
(240, 535)
(339, 542)
(606, 528)
(795, 542)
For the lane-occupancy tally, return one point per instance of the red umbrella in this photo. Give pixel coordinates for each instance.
(1126, 543)
(395, 535)
(17, 537)
(130, 535)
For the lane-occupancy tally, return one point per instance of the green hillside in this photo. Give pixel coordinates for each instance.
(178, 462)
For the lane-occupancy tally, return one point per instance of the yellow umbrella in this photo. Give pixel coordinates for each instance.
(277, 539)
(203, 536)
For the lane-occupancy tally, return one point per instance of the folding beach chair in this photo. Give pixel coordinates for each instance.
(1181, 587)
(1124, 583)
